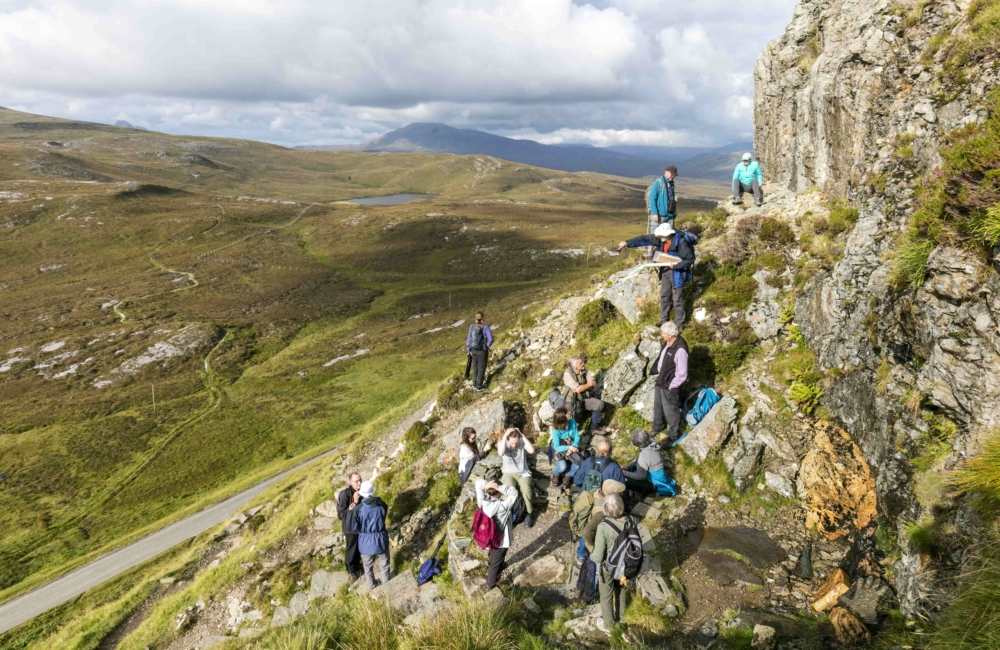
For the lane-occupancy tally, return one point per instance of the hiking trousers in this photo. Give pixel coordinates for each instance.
(479, 367)
(369, 562)
(522, 483)
(671, 296)
(352, 557)
(498, 557)
(739, 189)
(613, 599)
(667, 413)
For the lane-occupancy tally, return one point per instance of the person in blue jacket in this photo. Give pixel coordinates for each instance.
(602, 461)
(672, 278)
(566, 443)
(747, 177)
(373, 536)
(661, 199)
(478, 343)
(646, 474)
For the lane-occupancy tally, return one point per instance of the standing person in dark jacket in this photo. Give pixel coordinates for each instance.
(373, 536)
(671, 372)
(672, 278)
(478, 344)
(347, 501)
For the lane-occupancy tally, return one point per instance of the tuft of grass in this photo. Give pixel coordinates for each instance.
(474, 626)
(810, 52)
(972, 621)
(981, 474)
(593, 316)
(883, 375)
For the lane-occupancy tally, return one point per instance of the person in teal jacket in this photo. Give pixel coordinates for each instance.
(747, 177)
(661, 199)
(566, 445)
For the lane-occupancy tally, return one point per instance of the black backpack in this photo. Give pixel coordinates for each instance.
(586, 584)
(478, 340)
(625, 559)
(518, 511)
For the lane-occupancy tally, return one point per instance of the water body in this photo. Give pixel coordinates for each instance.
(392, 199)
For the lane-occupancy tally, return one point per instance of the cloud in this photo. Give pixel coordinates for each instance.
(606, 71)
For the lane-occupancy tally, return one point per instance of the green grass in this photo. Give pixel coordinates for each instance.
(981, 474)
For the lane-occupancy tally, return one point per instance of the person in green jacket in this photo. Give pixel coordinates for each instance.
(610, 589)
(747, 177)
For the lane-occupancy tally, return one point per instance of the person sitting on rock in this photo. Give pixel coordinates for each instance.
(566, 444)
(647, 475)
(603, 462)
(496, 501)
(673, 277)
(347, 501)
(580, 384)
(587, 515)
(747, 177)
(469, 454)
(478, 343)
(373, 536)
(671, 372)
(514, 448)
(611, 590)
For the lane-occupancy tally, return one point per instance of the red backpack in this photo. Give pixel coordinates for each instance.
(485, 531)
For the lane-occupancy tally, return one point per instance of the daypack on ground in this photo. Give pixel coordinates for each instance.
(706, 399)
(432, 567)
(625, 559)
(594, 477)
(586, 584)
(485, 531)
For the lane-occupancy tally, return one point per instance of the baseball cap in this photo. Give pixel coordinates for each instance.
(747, 156)
(672, 169)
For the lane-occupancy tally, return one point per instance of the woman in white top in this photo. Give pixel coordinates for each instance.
(514, 448)
(496, 501)
(469, 454)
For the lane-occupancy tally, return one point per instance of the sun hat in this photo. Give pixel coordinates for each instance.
(664, 230)
(747, 156)
(367, 489)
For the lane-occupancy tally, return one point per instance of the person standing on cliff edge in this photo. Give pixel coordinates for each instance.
(478, 344)
(747, 177)
(661, 199)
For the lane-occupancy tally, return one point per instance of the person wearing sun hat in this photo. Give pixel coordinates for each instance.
(373, 536)
(747, 177)
(673, 277)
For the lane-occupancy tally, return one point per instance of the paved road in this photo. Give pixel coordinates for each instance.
(25, 607)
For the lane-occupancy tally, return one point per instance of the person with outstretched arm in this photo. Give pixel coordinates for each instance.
(478, 344)
(673, 277)
(747, 177)
(671, 372)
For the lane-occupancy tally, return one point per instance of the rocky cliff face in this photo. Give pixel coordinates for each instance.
(853, 99)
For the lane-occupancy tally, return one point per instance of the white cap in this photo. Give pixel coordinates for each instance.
(367, 489)
(747, 156)
(663, 230)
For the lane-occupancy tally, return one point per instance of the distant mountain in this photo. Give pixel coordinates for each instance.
(674, 155)
(440, 138)
(714, 166)
(127, 125)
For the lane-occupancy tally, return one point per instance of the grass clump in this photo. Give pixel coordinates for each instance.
(981, 474)
(716, 355)
(842, 217)
(593, 316)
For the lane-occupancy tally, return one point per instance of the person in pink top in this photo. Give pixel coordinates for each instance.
(671, 373)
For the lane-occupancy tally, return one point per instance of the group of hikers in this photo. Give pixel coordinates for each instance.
(603, 492)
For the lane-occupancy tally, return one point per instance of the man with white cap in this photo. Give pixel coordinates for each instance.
(747, 177)
(373, 536)
(673, 277)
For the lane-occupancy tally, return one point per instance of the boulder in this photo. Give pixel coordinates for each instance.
(282, 616)
(711, 432)
(754, 546)
(545, 571)
(650, 346)
(645, 511)
(322, 523)
(325, 585)
(401, 592)
(868, 599)
(779, 484)
(835, 484)
(642, 399)
(629, 291)
(212, 640)
(545, 412)
(299, 604)
(764, 312)
(835, 586)
(654, 588)
(847, 628)
(624, 377)
(473, 586)
(327, 509)
(585, 627)
(743, 462)
(487, 420)
(763, 637)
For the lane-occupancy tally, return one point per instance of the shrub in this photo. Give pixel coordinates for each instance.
(821, 225)
(592, 316)
(842, 217)
(775, 231)
(732, 289)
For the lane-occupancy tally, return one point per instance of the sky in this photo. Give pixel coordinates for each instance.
(640, 72)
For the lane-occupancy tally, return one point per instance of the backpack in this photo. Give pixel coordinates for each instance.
(706, 399)
(518, 511)
(578, 518)
(556, 399)
(431, 567)
(594, 477)
(625, 559)
(485, 531)
(586, 584)
(478, 339)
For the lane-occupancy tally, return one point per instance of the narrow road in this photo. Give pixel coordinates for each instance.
(25, 607)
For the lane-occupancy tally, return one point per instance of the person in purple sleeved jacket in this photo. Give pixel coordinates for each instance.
(478, 344)
(671, 373)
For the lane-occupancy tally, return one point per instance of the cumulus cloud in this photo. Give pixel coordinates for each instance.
(289, 71)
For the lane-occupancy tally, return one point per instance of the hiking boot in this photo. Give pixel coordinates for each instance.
(737, 201)
(758, 203)
(567, 480)
(556, 480)
(529, 520)
(602, 628)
